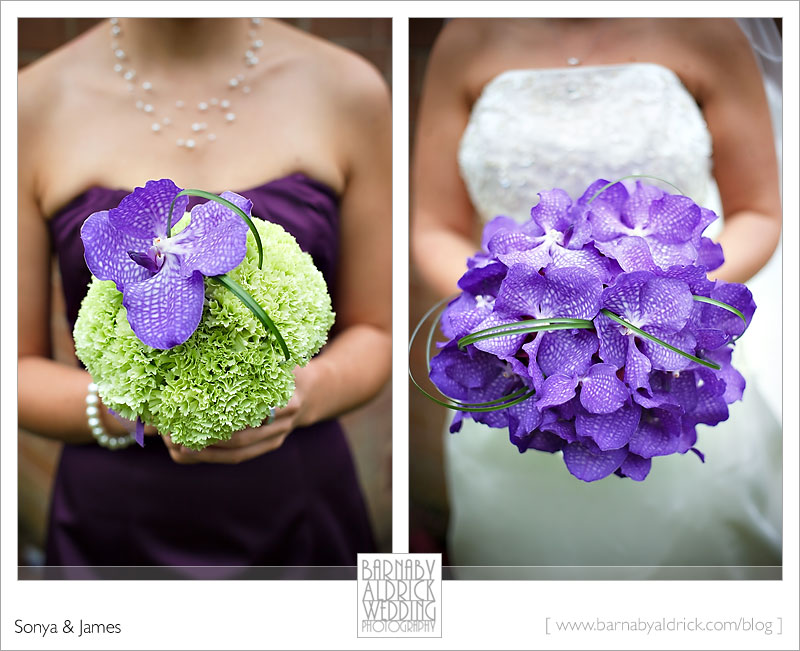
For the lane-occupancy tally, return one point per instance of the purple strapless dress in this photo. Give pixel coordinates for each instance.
(297, 506)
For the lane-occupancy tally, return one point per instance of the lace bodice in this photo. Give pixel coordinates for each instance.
(536, 129)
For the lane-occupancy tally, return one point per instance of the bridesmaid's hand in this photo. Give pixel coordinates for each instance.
(118, 426)
(253, 442)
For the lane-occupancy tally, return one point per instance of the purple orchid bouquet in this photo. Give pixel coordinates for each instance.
(190, 327)
(593, 330)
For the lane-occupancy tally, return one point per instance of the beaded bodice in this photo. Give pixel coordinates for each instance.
(539, 129)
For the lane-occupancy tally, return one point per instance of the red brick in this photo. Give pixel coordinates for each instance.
(380, 57)
(416, 75)
(417, 67)
(27, 57)
(356, 43)
(382, 31)
(41, 33)
(294, 22)
(423, 31)
(333, 28)
(78, 26)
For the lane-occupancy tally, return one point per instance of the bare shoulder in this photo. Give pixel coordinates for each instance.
(355, 84)
(38, 87)
(709, 33)
(345, 80)
(461, 42)
(342, 94)
(65, 82)
(461, 36)
(718, 42)
(462, 49)
(725, 58)
(61, 68)
(48, 87)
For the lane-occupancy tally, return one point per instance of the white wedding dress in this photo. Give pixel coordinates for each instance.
(534, 130)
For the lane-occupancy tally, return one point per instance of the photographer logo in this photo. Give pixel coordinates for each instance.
(399, 595)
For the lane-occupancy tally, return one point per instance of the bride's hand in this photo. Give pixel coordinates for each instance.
(253, 442)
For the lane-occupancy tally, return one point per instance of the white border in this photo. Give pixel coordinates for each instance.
(255, 614)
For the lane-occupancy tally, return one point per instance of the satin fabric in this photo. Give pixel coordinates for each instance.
(300, 505)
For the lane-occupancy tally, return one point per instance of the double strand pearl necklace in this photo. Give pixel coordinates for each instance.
(189, 131)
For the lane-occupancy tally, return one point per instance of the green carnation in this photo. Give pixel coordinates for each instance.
(228, 374)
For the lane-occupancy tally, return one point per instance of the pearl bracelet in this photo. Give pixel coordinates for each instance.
(96, 425)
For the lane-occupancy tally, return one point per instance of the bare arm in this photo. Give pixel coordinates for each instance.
(745, 165)
(443, 221)
(357, 362)
(51, 395)
(51, 398)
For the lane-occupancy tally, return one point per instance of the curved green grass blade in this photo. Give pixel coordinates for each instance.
(477, 407)
(632, 176)
(524, 327)
(658, 341)
(242, 294)
(492, 405)
(724, 306)
(223, 202)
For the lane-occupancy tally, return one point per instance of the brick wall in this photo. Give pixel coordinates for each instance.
(368, 429)
(422, 33)
(370, 37)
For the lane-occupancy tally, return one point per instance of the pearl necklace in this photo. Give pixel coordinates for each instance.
(578, 60)
(191, 136)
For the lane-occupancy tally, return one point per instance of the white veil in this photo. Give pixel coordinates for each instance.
(766, 285)
(768, 49)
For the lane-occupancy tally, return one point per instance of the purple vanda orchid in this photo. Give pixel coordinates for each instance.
(609, 399)
(525, 293)
(660, 305)
(650, 229)
(160, 277)
(552, 238)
